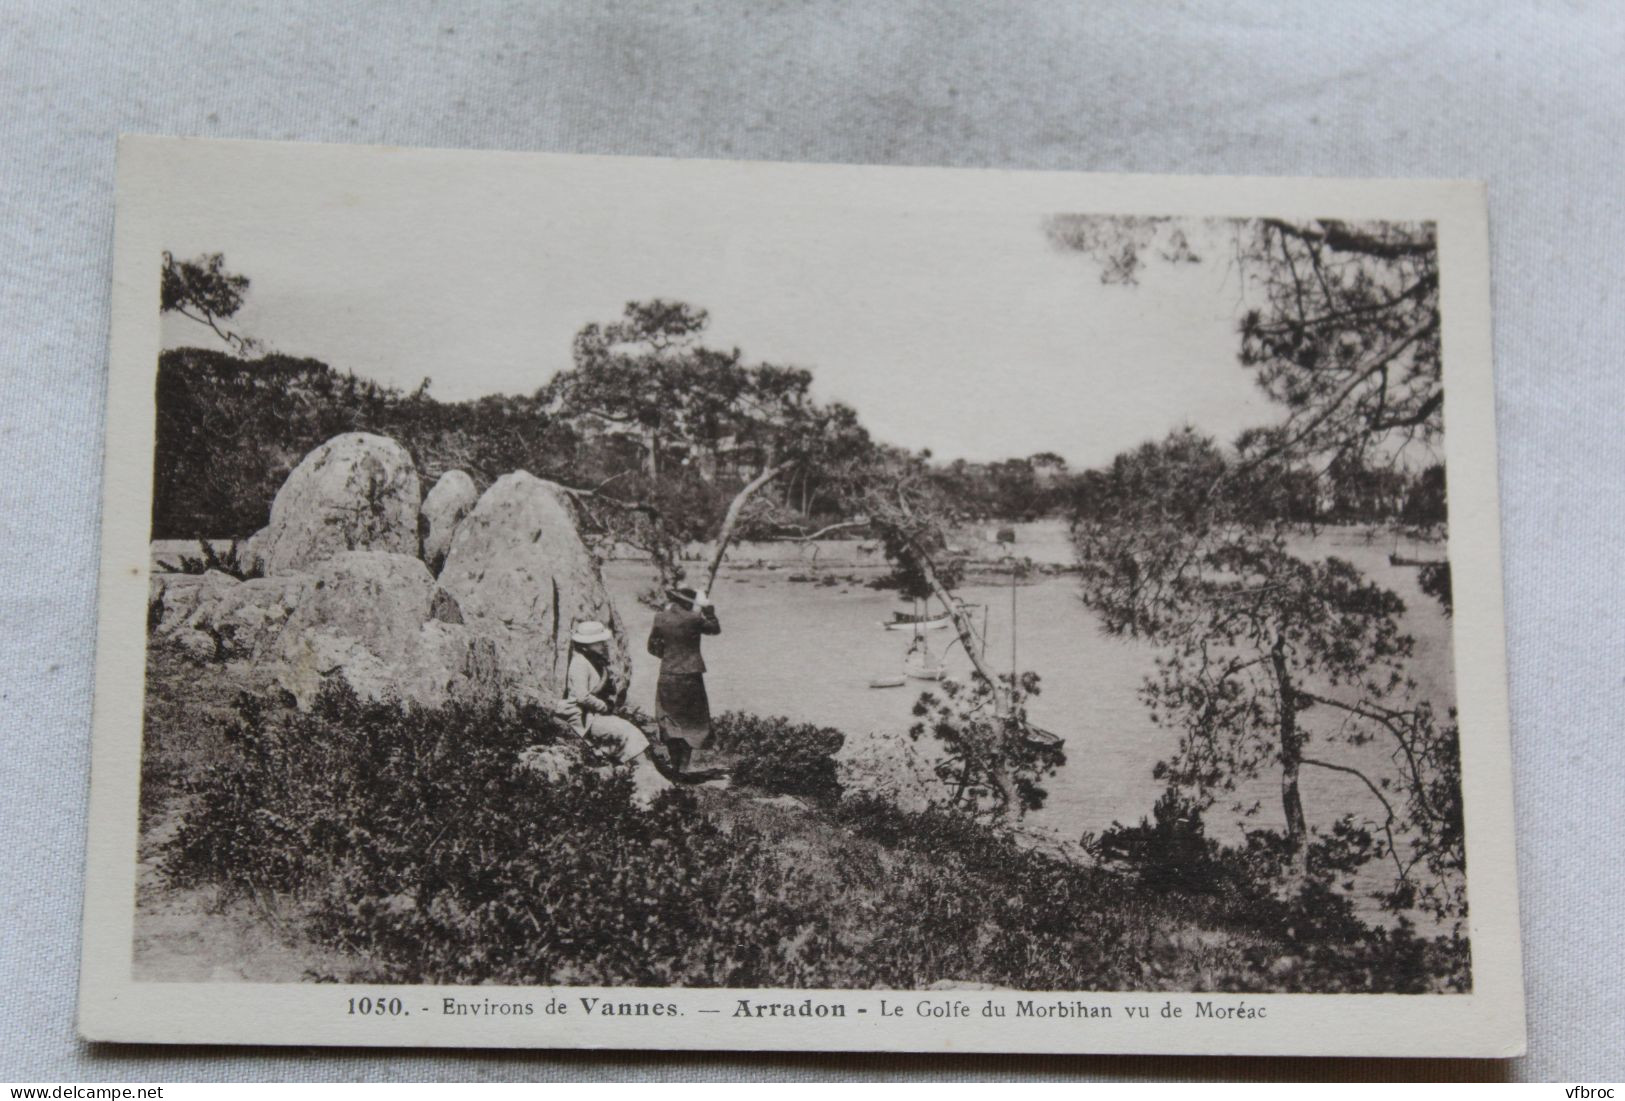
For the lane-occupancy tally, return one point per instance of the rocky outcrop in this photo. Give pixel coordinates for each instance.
(452, 498)
(523, 578)
(378, 599)
(444, 607)
(354, 492)
(446, 663)
(173, 597)
(365, 618)
(231, 620)
(345, 594)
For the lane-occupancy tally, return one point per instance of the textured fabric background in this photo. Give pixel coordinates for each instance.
(1527, 96)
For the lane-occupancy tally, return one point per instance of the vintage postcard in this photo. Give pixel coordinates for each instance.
(559, 601)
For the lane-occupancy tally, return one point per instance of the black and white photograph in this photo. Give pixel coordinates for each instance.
(628, 582)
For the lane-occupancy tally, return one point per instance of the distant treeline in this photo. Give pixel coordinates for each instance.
(1350, 492)
(230, 429)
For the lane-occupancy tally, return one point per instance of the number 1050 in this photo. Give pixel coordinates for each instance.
(376, 1007)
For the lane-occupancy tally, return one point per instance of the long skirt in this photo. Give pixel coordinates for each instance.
(682, 708)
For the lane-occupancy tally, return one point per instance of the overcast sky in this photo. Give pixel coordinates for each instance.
(967, 332)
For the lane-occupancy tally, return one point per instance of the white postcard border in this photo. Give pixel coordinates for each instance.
(158, 177)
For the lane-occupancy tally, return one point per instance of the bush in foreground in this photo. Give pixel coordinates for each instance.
(780, 757)
(409, 840)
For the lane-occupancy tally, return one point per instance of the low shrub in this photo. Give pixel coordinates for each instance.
(1170, 852)
(232, 563)
(1316, 940)
(408, 839)
(990, 759)
(780, 757)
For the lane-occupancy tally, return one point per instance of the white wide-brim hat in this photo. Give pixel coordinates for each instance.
(589, 631)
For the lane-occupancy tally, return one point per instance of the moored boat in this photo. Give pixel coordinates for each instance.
(1037, 735)
(1404, 560)
(902, 622)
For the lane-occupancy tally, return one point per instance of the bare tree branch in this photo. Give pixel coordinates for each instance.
(1340, 237)
(1388, 823)
(1331, 406)
(731, 520)
(827, 529)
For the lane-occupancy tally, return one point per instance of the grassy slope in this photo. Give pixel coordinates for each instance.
(1160, 941)
(884, 903)
(196, 934)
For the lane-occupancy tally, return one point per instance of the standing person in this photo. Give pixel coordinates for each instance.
(589, 697)
(681, 706)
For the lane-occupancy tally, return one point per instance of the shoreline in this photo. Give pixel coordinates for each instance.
(1041, 546)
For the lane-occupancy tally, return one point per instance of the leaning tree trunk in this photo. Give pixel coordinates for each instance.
(731, 519)
(1297, 828)
(1003, 699)
(962, 626)
(651, 440)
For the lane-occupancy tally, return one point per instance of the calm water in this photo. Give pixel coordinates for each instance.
(808, 651)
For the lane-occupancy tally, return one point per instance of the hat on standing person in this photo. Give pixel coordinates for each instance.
(687, 597)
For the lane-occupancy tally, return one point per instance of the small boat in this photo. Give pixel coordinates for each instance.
(918, 626)
(887, 682)
(915, 617)
(903, 621)
(921, 664)
(1037, 735)
(1401, 560)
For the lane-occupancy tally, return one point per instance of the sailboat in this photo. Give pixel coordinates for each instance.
(921, 664)
(918, 661)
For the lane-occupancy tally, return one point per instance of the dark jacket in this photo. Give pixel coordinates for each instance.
(675, 638)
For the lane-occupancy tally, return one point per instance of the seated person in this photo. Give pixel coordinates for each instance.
(588, 692)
